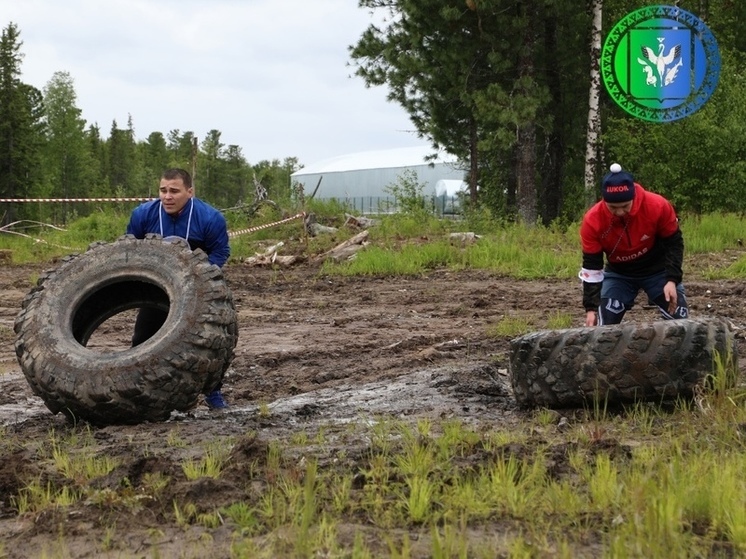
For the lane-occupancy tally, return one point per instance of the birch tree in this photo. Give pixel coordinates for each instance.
(594, 114)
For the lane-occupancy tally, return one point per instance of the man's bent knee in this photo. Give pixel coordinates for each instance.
(681, 310)
(611, 311)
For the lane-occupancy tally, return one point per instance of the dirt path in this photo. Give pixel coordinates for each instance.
(314, 352)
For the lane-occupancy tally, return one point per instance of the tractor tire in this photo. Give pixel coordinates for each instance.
(187, 356)
(655, 362)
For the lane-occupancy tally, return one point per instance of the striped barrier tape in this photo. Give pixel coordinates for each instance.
(230, 233)
(76, 199)
(266, 225)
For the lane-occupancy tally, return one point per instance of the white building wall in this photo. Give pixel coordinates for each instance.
(367, 174)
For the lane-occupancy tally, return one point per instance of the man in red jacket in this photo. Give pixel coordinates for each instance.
(638, 233)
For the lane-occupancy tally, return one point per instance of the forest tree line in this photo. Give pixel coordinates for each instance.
(47, 150)
(501, 84)
(504, 85)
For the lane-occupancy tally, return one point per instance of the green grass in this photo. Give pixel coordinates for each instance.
(678, 495)
(403, 244)
(640, 482)
(713, 232)
(511, 326)
(210, 464)
(643, 482)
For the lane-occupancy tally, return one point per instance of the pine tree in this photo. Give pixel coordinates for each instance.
(20, 126)
(123, 170)
(489, 81)
(68, 163)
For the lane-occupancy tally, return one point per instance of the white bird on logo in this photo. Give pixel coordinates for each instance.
(659, 60)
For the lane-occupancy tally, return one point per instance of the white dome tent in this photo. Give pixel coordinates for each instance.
(360, 179)
(448, 193)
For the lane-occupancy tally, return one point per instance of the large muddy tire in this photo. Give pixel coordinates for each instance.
(186, 357)
(658, 361)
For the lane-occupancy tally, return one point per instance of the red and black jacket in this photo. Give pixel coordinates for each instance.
(644, 242)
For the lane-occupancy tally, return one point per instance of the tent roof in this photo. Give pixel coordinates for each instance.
(450, 187)
(386, 159)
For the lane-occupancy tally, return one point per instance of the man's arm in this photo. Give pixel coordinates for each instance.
(592, 275)
(673, 250)
(217, 242)
(592, 272)
(135, 225)
(591, 296)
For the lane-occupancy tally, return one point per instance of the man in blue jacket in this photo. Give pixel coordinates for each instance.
(179, 213)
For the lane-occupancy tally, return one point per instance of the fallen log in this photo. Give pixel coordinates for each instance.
(313, 228)
(360, 222)
(270, 258)
(274, 260)
(346, 249)
(464, 238)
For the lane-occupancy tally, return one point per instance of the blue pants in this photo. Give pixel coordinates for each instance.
(618, 295)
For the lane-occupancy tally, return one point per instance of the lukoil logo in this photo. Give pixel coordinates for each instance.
(660, 63)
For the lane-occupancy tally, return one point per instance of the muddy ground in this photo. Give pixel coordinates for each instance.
(314, 353)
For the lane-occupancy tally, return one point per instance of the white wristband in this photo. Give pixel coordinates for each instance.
(591, 276)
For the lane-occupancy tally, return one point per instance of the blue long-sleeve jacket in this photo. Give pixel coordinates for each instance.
(207, 228)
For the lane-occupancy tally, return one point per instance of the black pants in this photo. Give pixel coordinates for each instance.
(148, 322)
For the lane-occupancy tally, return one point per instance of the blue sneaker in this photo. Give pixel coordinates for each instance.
(215, 400)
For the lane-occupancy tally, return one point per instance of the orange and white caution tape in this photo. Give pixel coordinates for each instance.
(230, 233)
(26, 200)
(266, 225)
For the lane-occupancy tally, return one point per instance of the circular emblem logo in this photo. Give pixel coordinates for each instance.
(660, 63)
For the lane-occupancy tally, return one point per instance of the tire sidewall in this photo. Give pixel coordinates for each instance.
(153, 262)
(187, 356)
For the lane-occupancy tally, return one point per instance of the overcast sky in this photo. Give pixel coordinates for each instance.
(270, 75)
